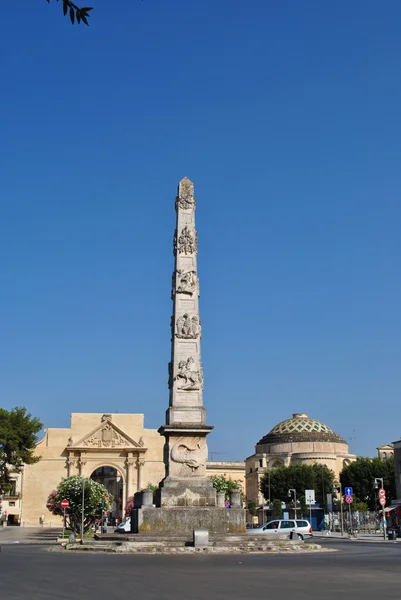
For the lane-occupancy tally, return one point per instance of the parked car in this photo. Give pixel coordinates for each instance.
(300, 528)
(124, 526)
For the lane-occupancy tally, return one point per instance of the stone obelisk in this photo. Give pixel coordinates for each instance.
(187, 498)
(185, 430)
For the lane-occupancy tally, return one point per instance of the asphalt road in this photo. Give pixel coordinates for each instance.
(358, 570)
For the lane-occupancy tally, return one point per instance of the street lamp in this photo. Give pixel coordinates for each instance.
(295, 500)
(376, 486)
(83, 510)
(341, 506)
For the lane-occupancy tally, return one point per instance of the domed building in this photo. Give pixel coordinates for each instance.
(299, 440)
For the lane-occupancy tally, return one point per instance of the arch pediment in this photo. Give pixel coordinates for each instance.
(107, 436)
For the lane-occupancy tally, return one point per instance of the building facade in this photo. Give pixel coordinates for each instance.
(397, 468)
(385, 451)
(11, 501)
(298, 440)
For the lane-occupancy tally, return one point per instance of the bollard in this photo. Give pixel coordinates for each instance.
(147, 498)
(201, 538)
(220, 499)
(235, 499)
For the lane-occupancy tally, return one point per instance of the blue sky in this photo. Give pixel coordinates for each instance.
(286, 115)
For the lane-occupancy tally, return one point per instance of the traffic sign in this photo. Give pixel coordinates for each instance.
(382, 500)
(65, 504)
(349, 499)
(310, 497)
(349, 491)
(382, 492)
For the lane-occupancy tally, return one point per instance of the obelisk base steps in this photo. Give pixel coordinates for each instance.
(182, 520)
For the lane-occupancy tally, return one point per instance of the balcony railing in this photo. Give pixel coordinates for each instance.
(12, 495)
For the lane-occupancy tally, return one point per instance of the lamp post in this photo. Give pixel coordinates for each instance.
(269, 500)
(341, 506)
(295, 500)
(83, 510)
(376, 486)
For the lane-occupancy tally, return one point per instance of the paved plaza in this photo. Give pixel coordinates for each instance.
(363, 570)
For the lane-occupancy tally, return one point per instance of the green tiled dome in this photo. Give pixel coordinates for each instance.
(299, 423)
(301, 428)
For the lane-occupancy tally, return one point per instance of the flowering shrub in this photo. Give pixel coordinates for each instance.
(129, 506)
(70, 489)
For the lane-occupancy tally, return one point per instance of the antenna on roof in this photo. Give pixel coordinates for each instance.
(213, 454)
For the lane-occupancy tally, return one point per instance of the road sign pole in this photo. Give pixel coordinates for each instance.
(83, 510)
(350, 517)
(63, 522)
(384, 517)
(341, 510)
(382, 494)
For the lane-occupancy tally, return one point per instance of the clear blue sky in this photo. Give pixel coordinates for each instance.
(286, 115)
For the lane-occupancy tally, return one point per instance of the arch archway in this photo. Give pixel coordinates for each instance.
(113, 481)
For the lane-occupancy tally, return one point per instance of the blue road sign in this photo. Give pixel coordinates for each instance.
(349, 491)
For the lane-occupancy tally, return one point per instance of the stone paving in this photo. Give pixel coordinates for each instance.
(29, 535)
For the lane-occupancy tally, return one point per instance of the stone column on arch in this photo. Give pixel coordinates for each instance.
(139, 464)
(125, 498)
(71, 465)
(130, 463)
(81, 464)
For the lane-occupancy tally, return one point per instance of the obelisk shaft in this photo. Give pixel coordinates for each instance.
(186, 381)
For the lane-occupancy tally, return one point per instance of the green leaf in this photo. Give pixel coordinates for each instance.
(87, 8)
(83, 17)
(65, 7)
(78, 17)
(72, 15)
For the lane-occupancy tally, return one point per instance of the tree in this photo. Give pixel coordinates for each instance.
(278, 511)
(18, 438)
(96, 499)
(360, 475)
(226, 485)
(53, 505)
(75, 13)
(252, 508)
(299, 477)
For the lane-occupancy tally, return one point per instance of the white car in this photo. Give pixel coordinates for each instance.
(124, 526)
(300, 528)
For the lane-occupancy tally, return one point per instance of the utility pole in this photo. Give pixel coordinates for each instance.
(295, 500)
(382, 494)
(336, 488)
(83, 510)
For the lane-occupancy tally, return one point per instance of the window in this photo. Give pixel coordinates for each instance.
(271, 525)
(13, 488)
(302, 524)
(260, 462)
(11, 504)
(287, 524)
